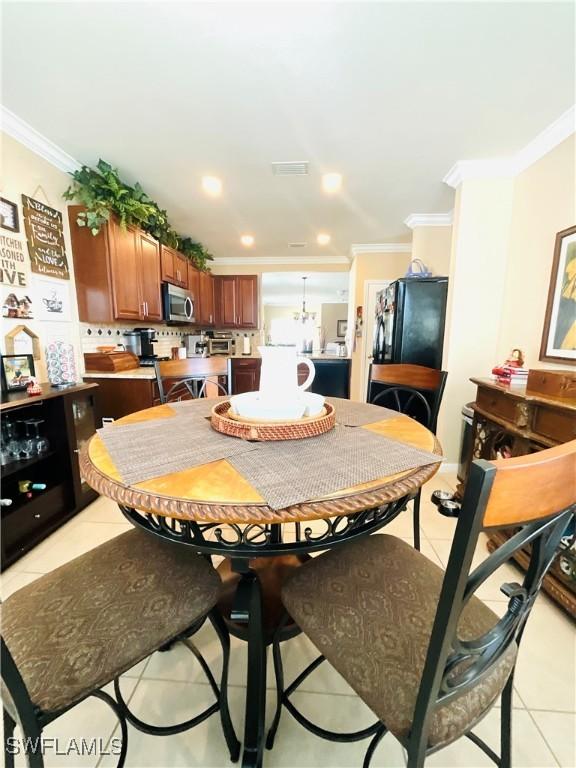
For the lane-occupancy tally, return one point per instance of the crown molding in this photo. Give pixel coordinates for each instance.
(508, 167)
(241, 260)
(20, 130)
(356, 249)
(429, 220)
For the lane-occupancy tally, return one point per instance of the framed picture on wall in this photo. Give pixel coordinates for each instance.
(341, 328)
(17, 370)
(559, 335)
(9, 215)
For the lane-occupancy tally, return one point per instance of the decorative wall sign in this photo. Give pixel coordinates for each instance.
(12, 262)
(22, 341)
(559, 337)
(17, 306)
(9, 215)
(45, 235)
(17, 370)
(52, 299)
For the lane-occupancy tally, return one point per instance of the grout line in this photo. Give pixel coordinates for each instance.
(544, 737)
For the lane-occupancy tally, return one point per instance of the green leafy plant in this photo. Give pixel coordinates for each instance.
(101, 191)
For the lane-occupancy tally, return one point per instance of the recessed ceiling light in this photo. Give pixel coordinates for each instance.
(331, 183)
(212, 185)
(247, 240)
(323, 238)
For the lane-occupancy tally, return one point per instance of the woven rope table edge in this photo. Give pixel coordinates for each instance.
(223, 512)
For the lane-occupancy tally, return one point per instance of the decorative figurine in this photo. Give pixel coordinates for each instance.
(513, 370)
(33, 387)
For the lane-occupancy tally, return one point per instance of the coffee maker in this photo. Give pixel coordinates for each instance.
(141, 342)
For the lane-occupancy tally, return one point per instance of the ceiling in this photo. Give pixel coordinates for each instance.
(391, 95)
(285, 288)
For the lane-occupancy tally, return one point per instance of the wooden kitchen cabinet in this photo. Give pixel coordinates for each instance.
(237, 301)
(245, 374)
(149, 269)
(174, 267)
(206, 290)
(117, 272)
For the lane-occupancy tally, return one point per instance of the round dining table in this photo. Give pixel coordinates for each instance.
(213, 509)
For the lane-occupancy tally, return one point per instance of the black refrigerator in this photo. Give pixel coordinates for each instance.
(410, 317)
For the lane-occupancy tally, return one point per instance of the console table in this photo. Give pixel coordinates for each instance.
(511, 421)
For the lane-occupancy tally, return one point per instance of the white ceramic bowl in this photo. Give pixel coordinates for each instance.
(314, 403)
(248, 405)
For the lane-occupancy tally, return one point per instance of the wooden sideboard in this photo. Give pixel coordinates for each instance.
(511, 421)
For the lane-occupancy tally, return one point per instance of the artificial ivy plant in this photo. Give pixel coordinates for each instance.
(101, 191)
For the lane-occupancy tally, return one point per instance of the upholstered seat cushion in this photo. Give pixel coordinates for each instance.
(80, 626)
(369, 608)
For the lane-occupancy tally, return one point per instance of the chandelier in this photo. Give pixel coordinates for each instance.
(304, 316)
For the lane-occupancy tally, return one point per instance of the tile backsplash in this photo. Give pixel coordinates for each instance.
(93, 336)
(168, 336)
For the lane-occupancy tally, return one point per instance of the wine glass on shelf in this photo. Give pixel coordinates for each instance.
(40, 442)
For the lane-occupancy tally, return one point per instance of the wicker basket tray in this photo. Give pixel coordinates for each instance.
(272, 430)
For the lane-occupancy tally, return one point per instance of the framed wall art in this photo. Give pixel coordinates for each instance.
(17, 370)
(559, 335)
(341, 328)
(9, 215)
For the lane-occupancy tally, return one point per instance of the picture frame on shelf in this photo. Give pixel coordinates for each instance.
(559, 333)
(17, 371)
(341, 328)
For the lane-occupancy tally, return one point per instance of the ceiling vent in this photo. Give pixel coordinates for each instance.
(290, 168)
(297, 245)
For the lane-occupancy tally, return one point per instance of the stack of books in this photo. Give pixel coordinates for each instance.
(508, 374)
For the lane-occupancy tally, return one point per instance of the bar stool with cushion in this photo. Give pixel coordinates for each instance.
(415, 391)
(192, 377)
(72, 631)
(414, 642)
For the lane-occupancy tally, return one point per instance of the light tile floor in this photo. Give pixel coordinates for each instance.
(169, 687)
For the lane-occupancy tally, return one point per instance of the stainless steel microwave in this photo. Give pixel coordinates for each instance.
(179, 305)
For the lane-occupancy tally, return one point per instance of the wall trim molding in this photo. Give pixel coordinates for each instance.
(429, 220)
(20, 130)
(508, 167)
(294, 260)
(359, 248)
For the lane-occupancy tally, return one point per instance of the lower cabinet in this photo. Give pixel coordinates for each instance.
(41, 493)
(245, 374)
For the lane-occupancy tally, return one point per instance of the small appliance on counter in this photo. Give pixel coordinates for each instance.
(110, 362)
(141, 342)
(222, 343)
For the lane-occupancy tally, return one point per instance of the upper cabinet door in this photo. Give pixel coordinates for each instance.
(181, 269)
(125, 272)
(194, 288)
(150, 277)
(167, 264)
(206, 298)
(247, 301)
(227, 304)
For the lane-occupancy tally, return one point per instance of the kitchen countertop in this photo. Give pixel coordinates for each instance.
(147, 372)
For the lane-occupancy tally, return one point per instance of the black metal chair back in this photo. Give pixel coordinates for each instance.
(189, 378)
(402, 380)
(502, 494)
(406, 400)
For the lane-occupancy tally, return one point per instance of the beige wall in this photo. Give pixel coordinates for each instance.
(433, 245)
(475, 296)
(368, 266)
(24, 172)
(329, 316)
(544, 204)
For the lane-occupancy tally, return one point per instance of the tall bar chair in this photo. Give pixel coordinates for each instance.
(80, 627)
(414, 642)
(193, 377)
(415, 391)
